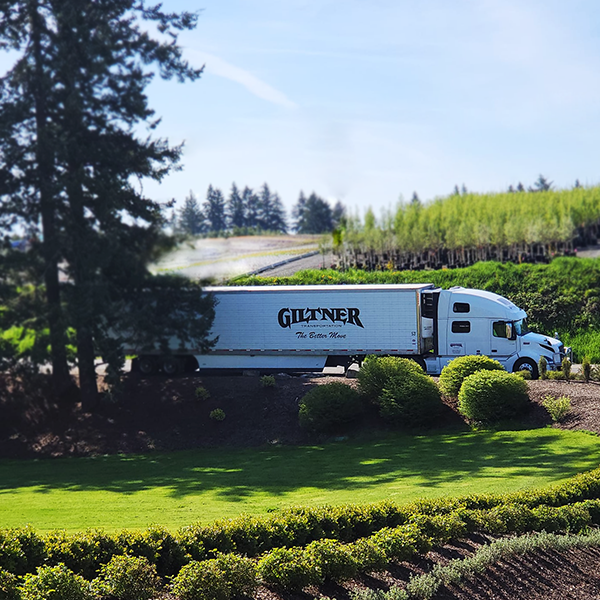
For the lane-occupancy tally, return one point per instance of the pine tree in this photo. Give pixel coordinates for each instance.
(252, 206)
(541, 185)
(214, 211)
(338, 214)
(271, 211)
(312, 215)
(71, 157)
(235, 209)
(190, 219)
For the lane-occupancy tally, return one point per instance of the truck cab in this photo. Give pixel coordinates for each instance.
(477, 322)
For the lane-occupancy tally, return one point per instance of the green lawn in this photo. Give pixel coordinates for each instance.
(175, 489)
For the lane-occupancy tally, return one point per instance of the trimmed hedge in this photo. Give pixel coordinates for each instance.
(458, 369)
(330, 406)
(490, 396)
(296, 548)
(377, 371)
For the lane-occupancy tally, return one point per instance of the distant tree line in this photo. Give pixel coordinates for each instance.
(248, 212)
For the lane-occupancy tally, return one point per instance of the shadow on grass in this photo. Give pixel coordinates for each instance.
(428, 461)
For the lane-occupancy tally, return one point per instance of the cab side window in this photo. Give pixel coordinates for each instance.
(461, 307)
(499, 329)
(461, 326)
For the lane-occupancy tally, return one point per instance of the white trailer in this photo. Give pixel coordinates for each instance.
(306, 328)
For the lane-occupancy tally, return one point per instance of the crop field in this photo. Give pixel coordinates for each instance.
(180, 488)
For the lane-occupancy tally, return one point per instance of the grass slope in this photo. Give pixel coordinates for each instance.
(116, 492)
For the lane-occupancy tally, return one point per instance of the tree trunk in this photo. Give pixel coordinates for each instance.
(51, 253)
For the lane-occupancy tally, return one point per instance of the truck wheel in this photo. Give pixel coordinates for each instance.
(146, 365)
(526, 364)
(171, 365)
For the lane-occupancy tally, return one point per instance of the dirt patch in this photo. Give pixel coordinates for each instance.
(158, 413)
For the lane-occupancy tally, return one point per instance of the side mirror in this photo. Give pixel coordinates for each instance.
(511, 332)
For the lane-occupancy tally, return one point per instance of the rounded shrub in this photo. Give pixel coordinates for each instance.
(329, 406)
(289, 569)
(411, 400)
(55, 583)
(335, 559)
(227, 576)
(457, 370)
(490, 396)
(128, 578)
(376, 372)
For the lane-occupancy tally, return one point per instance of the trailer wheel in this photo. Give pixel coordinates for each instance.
(146, 365)
(526, 364)
(171, 365)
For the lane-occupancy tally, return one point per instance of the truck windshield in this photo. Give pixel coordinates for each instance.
(521, 327)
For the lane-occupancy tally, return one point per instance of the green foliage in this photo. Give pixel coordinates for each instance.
(82, 553)
(566, 368)
(557, 408)
(289, 568)
(221, 578)
(8, 586)
(413, 400)
(55, 583)
(202, 393)
(128, 578)
(490, 396)
(21, 550)
(543, 367)
(335, 560)
(457, 370)
(267, 381)
(329, 406)
(218, 414)
(586, 369)
(376, 372)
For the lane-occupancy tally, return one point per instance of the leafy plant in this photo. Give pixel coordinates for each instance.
(412, 400)
(128, 578)
(586, 369)
(376, 372)
(330, 406)
(457, 370)
(8, 586)
(55, 583)
(566, 368)
(490, 396)
(557, 408)
(202, 393)
(543, 367)
(267, 381)
(218, 414)
(289, 568)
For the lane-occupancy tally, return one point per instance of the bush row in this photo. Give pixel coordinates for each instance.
(23, 550)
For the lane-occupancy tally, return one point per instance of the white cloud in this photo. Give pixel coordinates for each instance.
(221, 68)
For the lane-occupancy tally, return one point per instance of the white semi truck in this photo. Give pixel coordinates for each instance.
(308, 328)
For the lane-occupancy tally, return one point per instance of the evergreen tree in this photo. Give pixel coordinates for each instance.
(511, 189)
(235, 209)
(70, 160)
(541, 185)
(520, 187)
(252, 206)
(272, 214)
(214, 210)
(190, 219)
(456, 191)
(577, 184)
(312, 215)
(415, 199)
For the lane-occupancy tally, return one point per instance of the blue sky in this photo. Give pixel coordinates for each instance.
(367, 100)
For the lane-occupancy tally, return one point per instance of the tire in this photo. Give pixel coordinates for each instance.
(526, 364)
(146, 365)
(171, 365)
